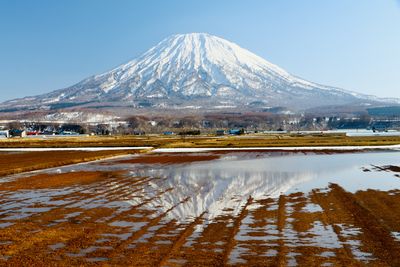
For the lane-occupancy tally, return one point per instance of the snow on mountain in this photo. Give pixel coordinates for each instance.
(201, 67)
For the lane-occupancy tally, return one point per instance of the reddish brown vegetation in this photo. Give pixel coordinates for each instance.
(170, 158)
(11, 163)
(51, 180)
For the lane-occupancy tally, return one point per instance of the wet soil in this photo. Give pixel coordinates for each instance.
(109, 219)
(182, 158)
(11, 163)
(43, 181)
(257, 140)
(387, 168)
(167, 158)
(344, 230)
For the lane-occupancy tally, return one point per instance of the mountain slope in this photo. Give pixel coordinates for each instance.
(198, 69)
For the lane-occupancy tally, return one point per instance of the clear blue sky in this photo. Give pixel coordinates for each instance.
(47, 44)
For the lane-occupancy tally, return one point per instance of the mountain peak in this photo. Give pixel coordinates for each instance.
(195, 35)
(201, 68)
(210, 46)
(213, 59)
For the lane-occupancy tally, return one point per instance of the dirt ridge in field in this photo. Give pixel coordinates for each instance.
(13, 163)
(159, 141)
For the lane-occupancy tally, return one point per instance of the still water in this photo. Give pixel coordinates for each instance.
(227, 182)
(221, 183)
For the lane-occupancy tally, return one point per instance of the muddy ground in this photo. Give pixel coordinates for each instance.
(16, 162)
(159, 141)
(104, 218)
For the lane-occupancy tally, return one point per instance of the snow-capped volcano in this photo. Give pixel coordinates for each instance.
(200, 68)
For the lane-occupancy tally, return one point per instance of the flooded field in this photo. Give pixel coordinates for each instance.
(229, 208)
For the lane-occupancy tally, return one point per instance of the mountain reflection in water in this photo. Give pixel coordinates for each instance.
(227, 183)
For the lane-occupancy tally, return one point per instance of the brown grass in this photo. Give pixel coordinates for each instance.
(11, 163)
(204, 141)
(170, 158)
(42, 181)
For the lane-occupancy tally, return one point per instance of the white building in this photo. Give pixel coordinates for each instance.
(5, 134)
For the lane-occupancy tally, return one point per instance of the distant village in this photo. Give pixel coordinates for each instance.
(214, 124)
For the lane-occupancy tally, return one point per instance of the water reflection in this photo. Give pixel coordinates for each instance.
(227, 183)
(184, 191)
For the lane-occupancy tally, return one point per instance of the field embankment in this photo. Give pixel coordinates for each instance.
(159, 141)
(12, 163)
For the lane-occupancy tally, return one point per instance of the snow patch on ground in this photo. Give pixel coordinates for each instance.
(335, 148)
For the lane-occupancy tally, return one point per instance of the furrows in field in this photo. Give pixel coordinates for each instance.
(365, 238)
(127, 220)
(376, 233)
(110, 190)
(134, 237)
(64, 211)
(170, 258)
(82, 213)
(384, 206)
(257, 229)
(313, 240)
(18, 202)
(234, 231)
(71, 197)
